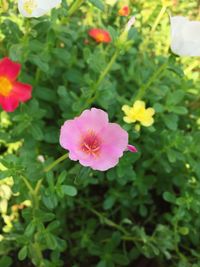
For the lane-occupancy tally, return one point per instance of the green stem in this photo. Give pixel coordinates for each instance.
(108, 221)
(35, 205)
(107, 69)
(25, 40)
(142, 90)
(74, 7)
(37, 76)
(126, 235)
(38, 185)
(38, 254)
(28, 185)
(102, 77)
(158, 18)
(105, 220)
(131, 238)
(56, 162)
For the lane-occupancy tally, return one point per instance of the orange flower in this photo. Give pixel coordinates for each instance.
(124, 11)
(100, 35)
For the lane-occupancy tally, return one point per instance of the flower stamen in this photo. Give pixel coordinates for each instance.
(91, 143)
(5, 86)
(29, 6)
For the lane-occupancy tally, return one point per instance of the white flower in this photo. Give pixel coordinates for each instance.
(111, 2)
(185, 36)
(36, 8)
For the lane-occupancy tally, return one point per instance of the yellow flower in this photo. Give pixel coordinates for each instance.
(138, 112)
(167, 3)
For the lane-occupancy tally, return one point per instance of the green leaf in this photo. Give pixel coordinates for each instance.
(69, 190)
(16, 52)
(39, 63)
(171, 121)
(36, 132)
(113, 33)
(175, 97)
(5, 261)
(51, 241)
(102, 264)
(109, 202)
(143, 210)
(45, 216)
(169, 197)
(98, 3)
(158, 108)
(171, 154)
(180, 110)
(30, 228)
(51, 135)
(23, 253)
(183, 230)
(4, 174)
(50, 201)
(61, 178)
(53, 225)
(46, 94)
(120, 259)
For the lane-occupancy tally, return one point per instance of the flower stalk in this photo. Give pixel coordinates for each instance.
(141, 92)
(102, 77)
(35, 199)
(120, 44)
(74, 7)
(56, 162)
(158, 18)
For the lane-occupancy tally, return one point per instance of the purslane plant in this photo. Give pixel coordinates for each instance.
(145, 209)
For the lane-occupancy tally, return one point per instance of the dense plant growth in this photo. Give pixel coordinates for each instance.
(146, 210)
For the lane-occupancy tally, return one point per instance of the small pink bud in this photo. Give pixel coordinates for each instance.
(130, 23)
(132, 149)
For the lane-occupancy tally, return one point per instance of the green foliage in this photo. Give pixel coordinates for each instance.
(147, 208)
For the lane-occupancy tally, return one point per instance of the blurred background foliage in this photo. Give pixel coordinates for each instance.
(146, 211)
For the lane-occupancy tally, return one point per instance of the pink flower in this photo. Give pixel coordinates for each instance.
(92, 140)
(12, 92)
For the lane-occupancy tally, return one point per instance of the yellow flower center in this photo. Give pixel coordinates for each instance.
(91, 144)
(100, 37)
(5, 86)
(29, 6)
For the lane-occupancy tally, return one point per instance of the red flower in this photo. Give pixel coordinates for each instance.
(100, 35)
(12, 92)
(124, 11)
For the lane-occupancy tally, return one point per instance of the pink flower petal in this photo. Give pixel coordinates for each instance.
(9, 103)
(104, 162)
(115, 139)
(94, 119)
(70, 135)
(9, 69)
(22, 91)
(114, 143)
